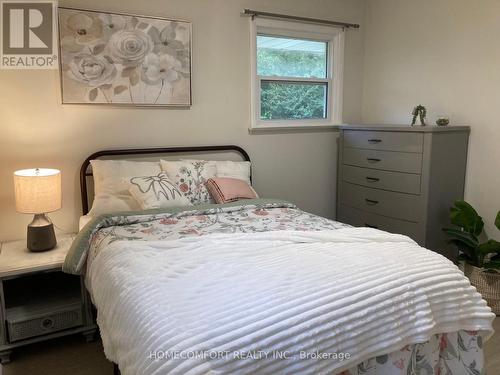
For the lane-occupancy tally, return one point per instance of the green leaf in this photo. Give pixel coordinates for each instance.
(490, 264)
(465, 257)
(496, 258)
(119, 89)
(490, 247)
(93, 94)
(462, 236)
(134, 78)
(98, 49)
(497, 220)
(126, 72)
(463, 215)
(133, 22)
(467, 251)
(109, 59)
(154, 34)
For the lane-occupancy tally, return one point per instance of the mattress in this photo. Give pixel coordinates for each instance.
(265, 288)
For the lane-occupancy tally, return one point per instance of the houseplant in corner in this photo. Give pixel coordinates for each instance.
(482, 260)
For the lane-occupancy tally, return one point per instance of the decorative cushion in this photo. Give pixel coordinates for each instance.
(112, 181)
(234, 169)
(231, 169)
(156, 192)
(110, 203)
(190, 177)
(225, 190)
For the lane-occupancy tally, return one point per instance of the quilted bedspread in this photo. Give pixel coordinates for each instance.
(289, 296)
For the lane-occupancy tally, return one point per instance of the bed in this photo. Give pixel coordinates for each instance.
(261, 287)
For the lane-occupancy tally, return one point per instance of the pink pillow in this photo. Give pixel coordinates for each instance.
(225, 190)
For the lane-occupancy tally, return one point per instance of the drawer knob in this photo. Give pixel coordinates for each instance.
(373, 160)
(371, 226)
(374, 141)
(47, 323)
(372, 179)
(371, 202)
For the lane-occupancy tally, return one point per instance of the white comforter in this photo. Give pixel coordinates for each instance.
(218, 302)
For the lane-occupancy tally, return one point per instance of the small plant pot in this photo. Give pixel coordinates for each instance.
(486, 283)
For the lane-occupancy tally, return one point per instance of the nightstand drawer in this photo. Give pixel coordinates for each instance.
(388, 141)
(360, 218)
(23, 324)
(387, 203)
(384, 160)
(393, 181)
(38, 301)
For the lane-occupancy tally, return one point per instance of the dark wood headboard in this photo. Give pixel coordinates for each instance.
(86, 170)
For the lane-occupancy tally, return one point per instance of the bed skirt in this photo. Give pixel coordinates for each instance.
(446, 353)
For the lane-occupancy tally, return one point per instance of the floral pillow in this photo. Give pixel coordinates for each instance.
(156, 192)
(230, 169)
(191, 177)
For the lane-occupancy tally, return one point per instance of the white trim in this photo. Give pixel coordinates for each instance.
(254, 86)
(337, 86)
(334, 36)
(294, 79)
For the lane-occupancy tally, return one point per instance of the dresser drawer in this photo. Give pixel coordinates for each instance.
(385, 160)
(387, 203)
(360, 218)
(393, 181)
(389, 141)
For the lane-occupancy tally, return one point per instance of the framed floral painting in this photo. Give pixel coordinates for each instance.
(110, 58)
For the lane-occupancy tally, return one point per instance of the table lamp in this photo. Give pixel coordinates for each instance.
(38, 191)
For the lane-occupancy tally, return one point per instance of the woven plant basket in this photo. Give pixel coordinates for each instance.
(488, 284)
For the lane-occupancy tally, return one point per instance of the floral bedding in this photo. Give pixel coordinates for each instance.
(446, 353)
(253, 217)
(456, 353)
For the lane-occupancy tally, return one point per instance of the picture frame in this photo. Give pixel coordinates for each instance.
(123, 59)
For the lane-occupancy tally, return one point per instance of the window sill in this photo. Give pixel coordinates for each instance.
(294, 129)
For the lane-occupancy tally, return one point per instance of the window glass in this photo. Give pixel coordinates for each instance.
(293, 100)
(288, 57)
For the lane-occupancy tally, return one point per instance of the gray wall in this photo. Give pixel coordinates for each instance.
(36, 130)
(443, 54)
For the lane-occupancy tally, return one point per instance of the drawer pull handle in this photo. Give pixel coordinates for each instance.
(373, 160)
(374, 141)
(371, 202)
(371, 226)
(47, 324)
(372, 179)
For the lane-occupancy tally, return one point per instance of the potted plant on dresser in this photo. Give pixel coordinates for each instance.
(482, 260)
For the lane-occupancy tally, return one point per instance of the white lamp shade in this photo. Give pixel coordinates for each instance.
(37, 190)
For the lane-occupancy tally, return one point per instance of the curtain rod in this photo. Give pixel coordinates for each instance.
(256, 13)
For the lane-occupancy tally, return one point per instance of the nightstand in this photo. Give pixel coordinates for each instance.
(37, 300)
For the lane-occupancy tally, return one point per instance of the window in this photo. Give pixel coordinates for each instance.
(296, 74)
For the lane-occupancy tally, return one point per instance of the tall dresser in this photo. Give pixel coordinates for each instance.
(402, 179)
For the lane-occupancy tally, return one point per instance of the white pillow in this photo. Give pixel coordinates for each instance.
(230, 169)
(111, 203)
(156, 192)
(190, 177)
(234, 169)
(112, 181)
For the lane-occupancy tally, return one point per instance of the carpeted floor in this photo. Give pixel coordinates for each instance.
(65, 356)
(73, 356)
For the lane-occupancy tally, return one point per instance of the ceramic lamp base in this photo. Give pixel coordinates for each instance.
(41, 236)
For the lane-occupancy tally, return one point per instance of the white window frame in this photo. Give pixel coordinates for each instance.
(333, 36)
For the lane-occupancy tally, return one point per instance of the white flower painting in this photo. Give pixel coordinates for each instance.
(111, 58)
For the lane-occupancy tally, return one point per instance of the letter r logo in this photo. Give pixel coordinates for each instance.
(27, 28)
